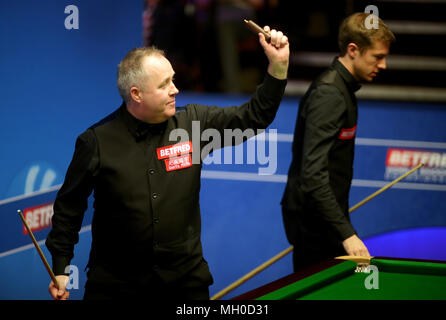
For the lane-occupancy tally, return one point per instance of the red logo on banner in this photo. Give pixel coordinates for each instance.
(410, 158)
(38, 217)
(178, 162)
(174, 150)
(398, 161)
(347, 133)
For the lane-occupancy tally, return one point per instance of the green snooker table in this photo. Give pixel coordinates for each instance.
(346, 278)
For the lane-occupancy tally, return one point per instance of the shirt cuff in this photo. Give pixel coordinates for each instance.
(345, 231)
(59, 265)
(274, 87)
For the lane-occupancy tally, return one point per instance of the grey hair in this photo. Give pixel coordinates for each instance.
(130, 71)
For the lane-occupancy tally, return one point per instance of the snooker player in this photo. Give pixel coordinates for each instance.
(315, 201)
(146, 229)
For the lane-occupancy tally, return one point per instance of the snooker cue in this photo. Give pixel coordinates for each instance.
(47, 266)
(251, 274)
(288, 250)
(385, 187)
(358, 259)
(257, 29)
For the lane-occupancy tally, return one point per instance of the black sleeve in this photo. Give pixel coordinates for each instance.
(324, 114)
(257, 113)
(71, 202)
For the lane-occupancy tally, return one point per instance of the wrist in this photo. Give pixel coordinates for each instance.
(278, 70)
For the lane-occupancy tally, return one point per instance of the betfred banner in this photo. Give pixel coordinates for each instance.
(399, 160)
(38, 217)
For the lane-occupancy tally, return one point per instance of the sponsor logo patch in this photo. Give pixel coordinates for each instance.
(177, 156)
(174, 150)
(347, 133)
(178, 162)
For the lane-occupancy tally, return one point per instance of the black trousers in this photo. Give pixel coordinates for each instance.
(313, 240)
(306, 254)
(167, 293)
(101, 285)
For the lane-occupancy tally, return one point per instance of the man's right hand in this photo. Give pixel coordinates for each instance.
(60, 294)
(355, 247)
(277, 51)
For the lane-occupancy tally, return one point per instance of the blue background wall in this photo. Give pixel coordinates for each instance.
(56, 82)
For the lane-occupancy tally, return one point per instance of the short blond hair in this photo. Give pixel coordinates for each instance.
(354, 29)
(130, 70)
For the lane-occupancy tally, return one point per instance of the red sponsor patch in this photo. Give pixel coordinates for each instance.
(38, 217)
(177, 163)
(347, 133)
(174, 150)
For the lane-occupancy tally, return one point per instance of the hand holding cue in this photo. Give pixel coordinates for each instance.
(47, 266)
(289, 249)
(257, 29)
